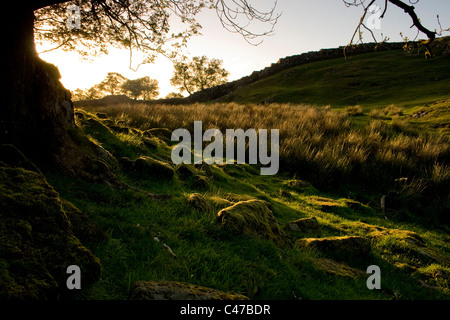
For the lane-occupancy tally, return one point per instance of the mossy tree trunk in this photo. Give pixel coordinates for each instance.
(37, 112)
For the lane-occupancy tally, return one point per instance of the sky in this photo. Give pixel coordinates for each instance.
(304, 25)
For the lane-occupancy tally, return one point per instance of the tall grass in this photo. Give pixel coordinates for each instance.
(318, 143)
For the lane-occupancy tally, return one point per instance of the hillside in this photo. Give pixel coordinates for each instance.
(357, 187)
(368, 79)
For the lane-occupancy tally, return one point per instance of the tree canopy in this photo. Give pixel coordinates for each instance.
(198, 74)
(144, 25)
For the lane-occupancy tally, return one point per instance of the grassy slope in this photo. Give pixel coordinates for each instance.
(370, 80)
(210, 256)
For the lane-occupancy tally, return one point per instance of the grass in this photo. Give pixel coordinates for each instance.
(326, 147)
(369, 80)
(350, 133)
(333, 145)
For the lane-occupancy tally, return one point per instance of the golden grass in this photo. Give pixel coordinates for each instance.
(317, 141)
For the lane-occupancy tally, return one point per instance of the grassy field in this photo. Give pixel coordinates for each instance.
(335, 166)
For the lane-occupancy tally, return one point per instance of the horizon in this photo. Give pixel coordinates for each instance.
(298, 20)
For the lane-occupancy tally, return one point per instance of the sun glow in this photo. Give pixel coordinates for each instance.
(83, 74)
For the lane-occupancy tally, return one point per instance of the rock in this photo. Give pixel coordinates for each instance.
(336, 268)
(341, 248)
(147, 166)
(197, 201)
(186, 171)
(162, 133)
(37, 243)
(308, 225)
(173, 290)
(201, 182)
(252, 218)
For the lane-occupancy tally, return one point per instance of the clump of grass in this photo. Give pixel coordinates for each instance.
(354, 110)
(376, 114)
(393, 110)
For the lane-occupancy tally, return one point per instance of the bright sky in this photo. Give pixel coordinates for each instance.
(305, 25)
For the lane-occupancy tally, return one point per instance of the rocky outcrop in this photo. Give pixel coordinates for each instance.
(173, 290)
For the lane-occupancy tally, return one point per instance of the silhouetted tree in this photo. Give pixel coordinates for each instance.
(145, 88)
(198, 74)
(112, 83)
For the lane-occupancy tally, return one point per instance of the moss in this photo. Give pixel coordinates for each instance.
(344, 248)
(253, 218)
(198, 202)
(336, 268)
(36, 241)
(174, 290)
(147, 167)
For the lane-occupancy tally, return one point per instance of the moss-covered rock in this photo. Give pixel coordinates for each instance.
(198, 202)
(253, 218)
(147, 167)
(306, 225)
(36, 240)
(340, 248)
(191, 175)
(161, 133)
(173, 290)
(336, 268)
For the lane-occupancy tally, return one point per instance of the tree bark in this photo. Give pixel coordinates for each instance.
(37, 112)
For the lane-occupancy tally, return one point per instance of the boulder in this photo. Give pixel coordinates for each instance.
(37, 243)
(198, 202)
(253, 218)
(307, 225)
(341, 248)
(174, 290)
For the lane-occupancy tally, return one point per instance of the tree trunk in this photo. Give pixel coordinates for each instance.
(37, 115)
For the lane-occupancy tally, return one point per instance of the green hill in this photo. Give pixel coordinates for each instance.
(369, 80)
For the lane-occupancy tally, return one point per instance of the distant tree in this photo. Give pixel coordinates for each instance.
(198, 74)
(112, 83)
(173, 95)
(145, 88)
